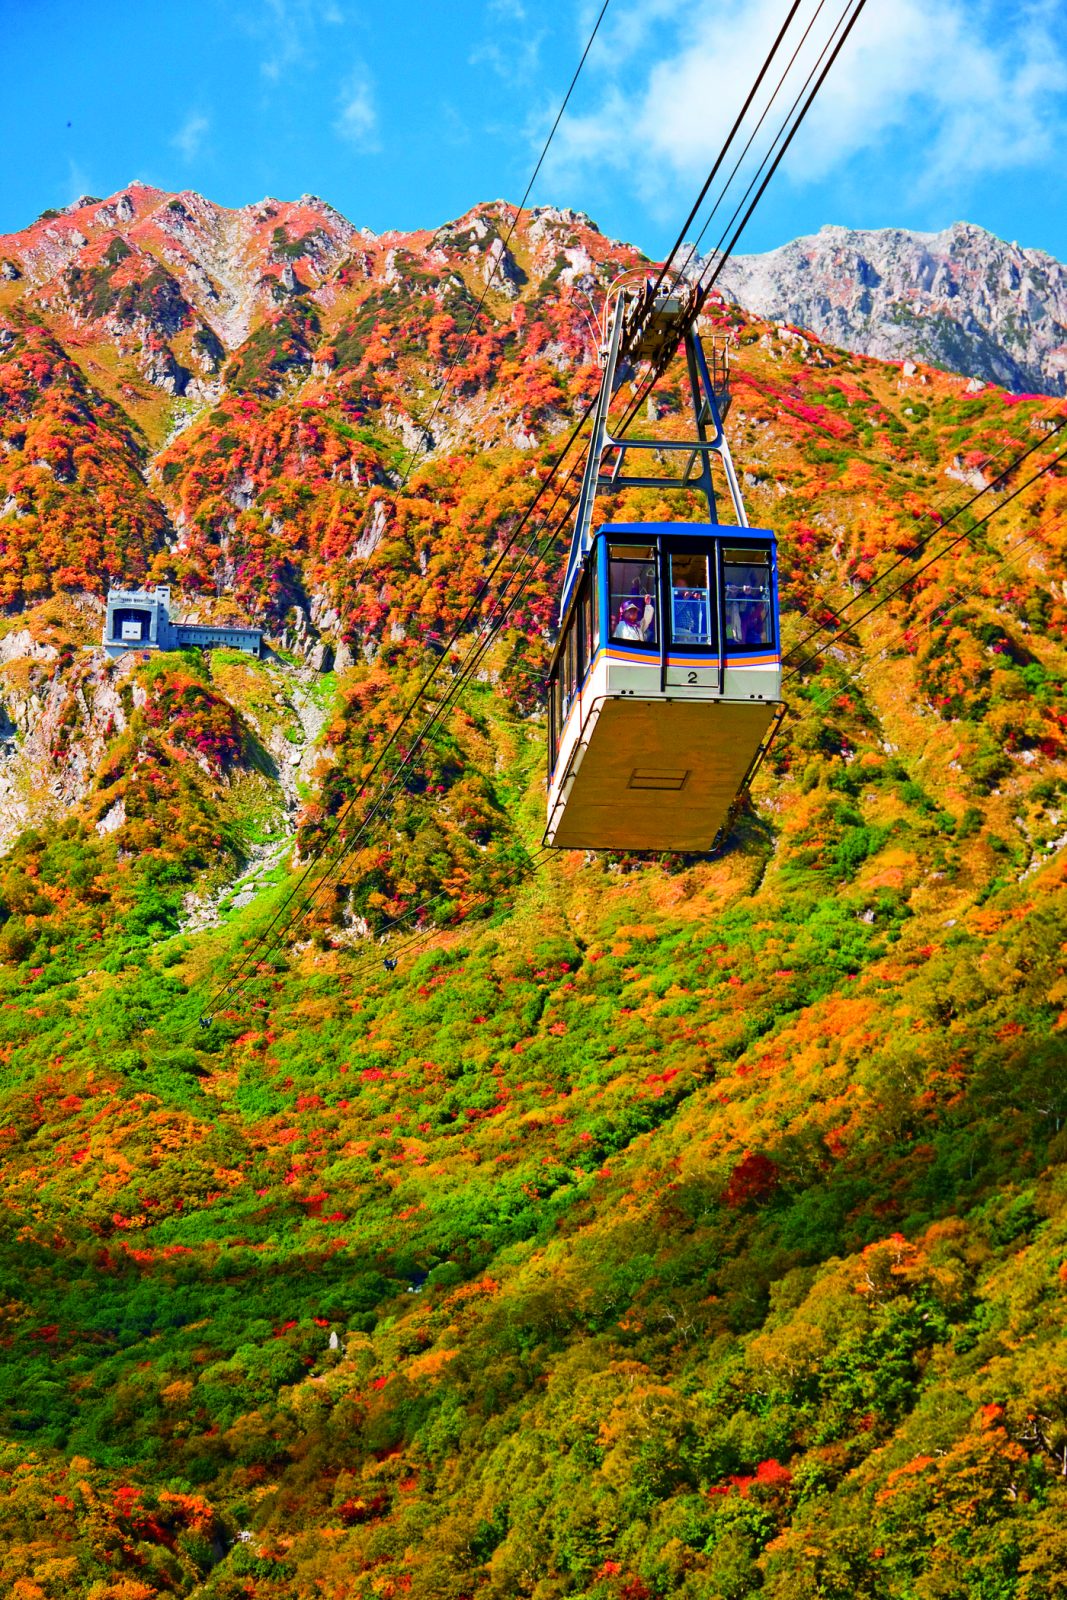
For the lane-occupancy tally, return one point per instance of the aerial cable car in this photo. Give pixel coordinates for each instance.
(664, 684)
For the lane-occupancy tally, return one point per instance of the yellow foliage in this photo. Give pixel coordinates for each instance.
(176, 1393)
(891, 869)
(432, 1364)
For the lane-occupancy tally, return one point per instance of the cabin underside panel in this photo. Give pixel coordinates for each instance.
(657, 774)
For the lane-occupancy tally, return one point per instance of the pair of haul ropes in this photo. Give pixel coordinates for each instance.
(664, 687)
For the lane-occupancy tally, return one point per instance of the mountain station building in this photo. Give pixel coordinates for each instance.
(139, 619)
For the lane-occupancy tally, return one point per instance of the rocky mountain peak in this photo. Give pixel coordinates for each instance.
(960, 298)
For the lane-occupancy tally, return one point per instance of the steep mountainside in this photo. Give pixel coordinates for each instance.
(960, 299)
(692, 1228)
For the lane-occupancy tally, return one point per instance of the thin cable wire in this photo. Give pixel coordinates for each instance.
(413, 456)
(942, 610)
(703, 289)
(909, 555)
(347, 846)
(427, 681)
(369, 959)
(910, 579)
(468, 667)
(721, 157)
(706, 288)
(777, 160)
(792, 131)
(406, 473)
(231, 989)
(736, 167)
(945, 607)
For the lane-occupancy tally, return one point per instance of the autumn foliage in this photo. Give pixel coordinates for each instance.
(689, 1228)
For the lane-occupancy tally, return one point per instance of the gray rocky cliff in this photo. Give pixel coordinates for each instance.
(960, 299)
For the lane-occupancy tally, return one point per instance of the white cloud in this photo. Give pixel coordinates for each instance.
(357, 116)
(189, 139)
(290, 29)
(516, 61)
(511, 47)
(986, 88)
(455, 128)
(953, 90)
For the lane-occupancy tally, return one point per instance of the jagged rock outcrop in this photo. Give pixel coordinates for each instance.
(54, 728)
(961, 299)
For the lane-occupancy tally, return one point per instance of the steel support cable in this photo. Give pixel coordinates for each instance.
(966, 534)
(503, 553)
(706, 288)
(370, 958)
(781, 130)
(346, 846)
(721, 157)
(752, 136)
(479, 649)
(431, 675)
(699, 297)
(409, 467)
(473, 660)
(247, 966)
(944, 607)
(909, 555)
(683, 318)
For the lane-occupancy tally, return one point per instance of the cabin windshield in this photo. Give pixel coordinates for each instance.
(747, 579)
(693, 618)
(632, 593)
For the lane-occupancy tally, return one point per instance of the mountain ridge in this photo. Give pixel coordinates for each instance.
(959, 298)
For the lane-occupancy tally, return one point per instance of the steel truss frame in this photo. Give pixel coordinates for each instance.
(605, 469)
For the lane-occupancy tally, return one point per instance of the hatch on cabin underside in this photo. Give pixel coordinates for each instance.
(651, 775)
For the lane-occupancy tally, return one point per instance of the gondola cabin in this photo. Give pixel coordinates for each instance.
(664, 685)
(663, 688)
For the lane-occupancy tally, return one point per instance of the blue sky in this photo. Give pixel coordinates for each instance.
(404, 116)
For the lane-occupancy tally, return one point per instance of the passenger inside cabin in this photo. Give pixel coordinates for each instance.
(747, 617)
(755, 623)
(749, 623)
(688, 621)
(632, 624)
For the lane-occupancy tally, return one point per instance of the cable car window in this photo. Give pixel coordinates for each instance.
(553, 723)
(589, 620)
(693, 618)
(632, 592)
(594, 610)
(566, 669)
(581, 630)
(747, 577)
(571, 663)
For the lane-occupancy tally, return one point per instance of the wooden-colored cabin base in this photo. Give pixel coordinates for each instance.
(657, 774)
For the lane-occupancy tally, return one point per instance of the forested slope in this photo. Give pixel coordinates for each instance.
(685, 1228)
